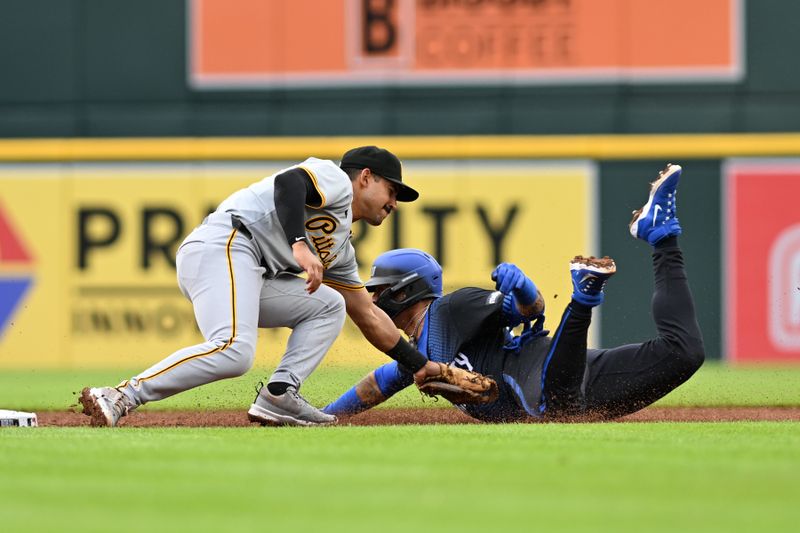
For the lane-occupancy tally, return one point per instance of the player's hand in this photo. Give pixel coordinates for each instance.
(430, 369)
(310, 263)
(508, 277)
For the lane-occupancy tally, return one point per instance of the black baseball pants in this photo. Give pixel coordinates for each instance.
(608, 383)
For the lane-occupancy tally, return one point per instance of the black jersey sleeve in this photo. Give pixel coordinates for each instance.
(473, 310)
(293, 190)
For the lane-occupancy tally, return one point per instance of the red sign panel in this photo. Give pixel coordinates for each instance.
(762, 262)
(261, 43)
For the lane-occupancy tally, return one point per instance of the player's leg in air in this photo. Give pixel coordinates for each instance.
(625, 379)
(565, 364)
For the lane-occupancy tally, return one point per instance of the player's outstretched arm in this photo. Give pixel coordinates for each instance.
(376, 387)
(376, 325)
(380, 331)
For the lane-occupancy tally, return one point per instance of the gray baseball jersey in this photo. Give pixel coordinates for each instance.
(327, 224)
(233, 281)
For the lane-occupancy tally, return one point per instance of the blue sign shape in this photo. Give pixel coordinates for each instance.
(12, 292)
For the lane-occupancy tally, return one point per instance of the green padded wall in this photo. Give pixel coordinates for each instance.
(624, 186)
(117, 68)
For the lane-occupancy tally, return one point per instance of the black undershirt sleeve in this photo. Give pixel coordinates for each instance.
(293, 190)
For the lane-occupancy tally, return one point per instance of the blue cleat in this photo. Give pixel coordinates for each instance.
(657, 219)
(589, 276)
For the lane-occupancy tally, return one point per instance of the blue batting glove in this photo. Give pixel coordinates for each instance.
(509, 278)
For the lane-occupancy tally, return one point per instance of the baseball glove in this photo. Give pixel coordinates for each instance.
(460, 386)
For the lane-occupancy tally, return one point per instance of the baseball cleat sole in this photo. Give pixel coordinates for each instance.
(601, 265)
(93, 409)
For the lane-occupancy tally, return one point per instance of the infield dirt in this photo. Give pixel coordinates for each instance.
(383, 417)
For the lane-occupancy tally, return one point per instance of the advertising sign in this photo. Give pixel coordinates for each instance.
(762, 261)
(263, 43)
(87, 271)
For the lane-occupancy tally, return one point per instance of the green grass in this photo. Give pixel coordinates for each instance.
(579, 477)
(713, 385)
(609, 477)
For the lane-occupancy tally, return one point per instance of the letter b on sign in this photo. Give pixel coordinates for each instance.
(784, 290)
(379, 31)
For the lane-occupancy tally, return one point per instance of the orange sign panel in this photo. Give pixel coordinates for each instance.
(256, 43)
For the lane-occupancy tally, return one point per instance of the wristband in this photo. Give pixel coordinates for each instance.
(407, 355)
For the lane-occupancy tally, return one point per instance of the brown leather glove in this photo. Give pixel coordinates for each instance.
(460, 386)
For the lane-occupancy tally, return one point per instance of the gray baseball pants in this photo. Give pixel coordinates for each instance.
(219, 271)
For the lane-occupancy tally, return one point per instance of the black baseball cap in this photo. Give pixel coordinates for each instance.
(381, 162)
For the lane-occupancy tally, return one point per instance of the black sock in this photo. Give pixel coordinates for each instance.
(277, 388)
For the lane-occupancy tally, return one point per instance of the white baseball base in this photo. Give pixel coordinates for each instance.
(17, 419)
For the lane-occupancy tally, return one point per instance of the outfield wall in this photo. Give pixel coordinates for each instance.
(116, 68)
(88, 231)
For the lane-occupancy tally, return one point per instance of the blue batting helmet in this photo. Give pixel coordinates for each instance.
(409, 274)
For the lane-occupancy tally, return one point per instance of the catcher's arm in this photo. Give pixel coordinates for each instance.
(376, 387)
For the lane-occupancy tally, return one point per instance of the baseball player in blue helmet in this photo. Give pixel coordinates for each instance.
(410, 276)
(542, 376)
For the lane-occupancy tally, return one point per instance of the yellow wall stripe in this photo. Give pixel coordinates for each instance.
(417, 147)
(233, 318)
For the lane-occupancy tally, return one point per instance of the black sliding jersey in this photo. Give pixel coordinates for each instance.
(466, 328)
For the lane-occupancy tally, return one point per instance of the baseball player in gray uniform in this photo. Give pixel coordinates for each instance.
(240, 268)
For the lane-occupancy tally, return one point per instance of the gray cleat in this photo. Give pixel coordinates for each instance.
(288, 409)
(106, 405)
